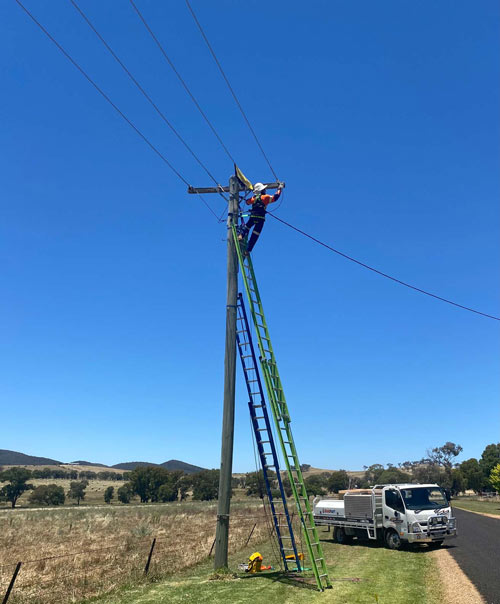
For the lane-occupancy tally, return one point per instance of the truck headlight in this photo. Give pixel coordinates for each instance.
(416, 528)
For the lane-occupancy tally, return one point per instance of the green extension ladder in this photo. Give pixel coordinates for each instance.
(282, 420)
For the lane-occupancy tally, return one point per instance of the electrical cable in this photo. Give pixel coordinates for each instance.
(144, 93)
(382, 274)
(182, 81)
(106, 97)
(231, 89)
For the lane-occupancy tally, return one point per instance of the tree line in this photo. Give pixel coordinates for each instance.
(438, 467)
(56, 473)
(156, 484)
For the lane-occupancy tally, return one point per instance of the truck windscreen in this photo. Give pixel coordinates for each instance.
(424, 498)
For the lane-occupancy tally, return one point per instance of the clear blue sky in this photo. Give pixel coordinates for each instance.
(382, 118)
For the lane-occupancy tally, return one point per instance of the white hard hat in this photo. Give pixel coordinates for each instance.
(258, 187)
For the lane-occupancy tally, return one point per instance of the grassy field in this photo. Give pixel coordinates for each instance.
(362, 574)
(94, 492)
(72, 553)
(485, 506)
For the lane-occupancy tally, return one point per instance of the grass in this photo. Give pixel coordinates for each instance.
(72, 553)
(484, 506)
(361, 574)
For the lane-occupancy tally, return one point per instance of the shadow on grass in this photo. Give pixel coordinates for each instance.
(422, 548)
(281, 577)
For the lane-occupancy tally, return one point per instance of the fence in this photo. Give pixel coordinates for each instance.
(85, 573)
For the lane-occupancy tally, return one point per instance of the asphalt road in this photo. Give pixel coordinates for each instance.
(477, 551)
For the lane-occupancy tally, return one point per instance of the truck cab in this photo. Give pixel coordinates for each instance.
(394, 513)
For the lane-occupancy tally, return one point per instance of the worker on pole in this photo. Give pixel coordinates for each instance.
(259, 203)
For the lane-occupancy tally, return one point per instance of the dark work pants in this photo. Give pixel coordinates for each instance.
(257, 222)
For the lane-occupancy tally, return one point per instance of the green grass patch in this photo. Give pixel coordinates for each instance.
(474, 505)
(361, 574)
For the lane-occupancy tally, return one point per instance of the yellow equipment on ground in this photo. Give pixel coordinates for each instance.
(255, 563)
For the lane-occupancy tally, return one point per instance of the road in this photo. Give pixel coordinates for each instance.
(477, 551)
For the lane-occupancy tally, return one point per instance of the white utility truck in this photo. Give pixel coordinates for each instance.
(390, 513)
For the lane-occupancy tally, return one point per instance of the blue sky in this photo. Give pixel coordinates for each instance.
(381, 118)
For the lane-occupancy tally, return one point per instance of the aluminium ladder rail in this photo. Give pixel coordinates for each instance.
(281, 416)
(263, 432)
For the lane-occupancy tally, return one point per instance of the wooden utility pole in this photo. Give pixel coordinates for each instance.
(226, 462)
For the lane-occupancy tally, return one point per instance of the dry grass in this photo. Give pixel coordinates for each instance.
(69, 554)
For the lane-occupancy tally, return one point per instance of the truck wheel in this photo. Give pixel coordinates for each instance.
(392, 539)
(340, 537)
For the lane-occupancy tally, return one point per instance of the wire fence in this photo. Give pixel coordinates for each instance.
(96, 571)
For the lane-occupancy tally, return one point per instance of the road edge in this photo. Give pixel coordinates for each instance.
(456, 586)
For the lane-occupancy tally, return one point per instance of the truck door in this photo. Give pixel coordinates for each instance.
(394, 510)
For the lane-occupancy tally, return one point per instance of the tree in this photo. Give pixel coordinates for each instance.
(494, 478)
(167, 492)
(489, 459)
(185, 484)
(427, 472)
(125, 493)
(49, 494)
(304, 467)
(255, 484)
(443, 456)
(316, 484)
(458, 483)
(473, 475)
(146, 482)
(287, 487)
(109, 493)
(17, 479)
(372, 474)
(77, 490)
(338, 481)
(392, 476)
(206, 485)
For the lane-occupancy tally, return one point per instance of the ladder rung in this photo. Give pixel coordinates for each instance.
(324, 575)
(318, 559)
(264, 442)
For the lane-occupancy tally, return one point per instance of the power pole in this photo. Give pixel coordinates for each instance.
(226, 462)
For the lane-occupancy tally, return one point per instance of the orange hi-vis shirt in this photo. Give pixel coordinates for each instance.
(265, 199)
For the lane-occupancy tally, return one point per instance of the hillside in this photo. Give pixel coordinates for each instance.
(175, 464)
(87, 463)
(132, 465)
(14, 458)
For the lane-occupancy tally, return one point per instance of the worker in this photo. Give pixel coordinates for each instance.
(259, 203)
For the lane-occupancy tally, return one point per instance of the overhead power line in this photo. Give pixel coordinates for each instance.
(370, 268)
(182, 81)
(231, 89)
(106, 97)
(144, 93)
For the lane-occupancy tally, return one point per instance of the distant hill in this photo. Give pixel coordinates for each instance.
(86, 463)
(14, 458)
(175, 464)
(132, 465)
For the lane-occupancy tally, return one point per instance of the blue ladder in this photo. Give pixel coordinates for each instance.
(263, 435)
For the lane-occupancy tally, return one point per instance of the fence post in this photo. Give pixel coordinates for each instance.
(12, 581)
(212, 548)
(146, 568)
(251, 533)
